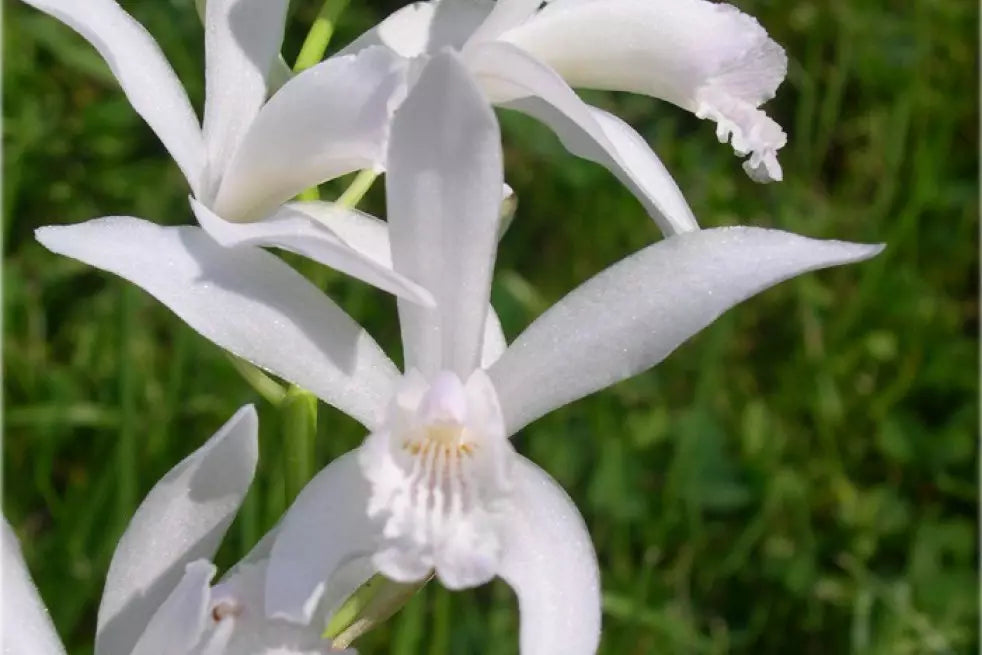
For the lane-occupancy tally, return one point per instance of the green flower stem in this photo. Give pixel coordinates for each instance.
(265, 386)
(312, 194)
(319, 36)
(372, 604)
(357, 189)
(298, 413)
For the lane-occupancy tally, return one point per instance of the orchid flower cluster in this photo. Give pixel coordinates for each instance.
(436, 489)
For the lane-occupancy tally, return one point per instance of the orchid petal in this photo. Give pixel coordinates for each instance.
(363, 232)
(290, 229)
(143, 72)
(329, 120)
(632, 315)
(708, 58)
(454, 21)
(27, 627)
(245, 300)
(405, 31)
(177, 626)
(494, 344)
(425, 27)
(182, 519)
(549, 561)
(443, 192)
(518, 81)
(326, 527)
(370, 236)
(242, 40)
(505, 15)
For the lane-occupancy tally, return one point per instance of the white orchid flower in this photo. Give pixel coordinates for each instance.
(437, 485)
(708, 58)
(158, 596)
(251, 155)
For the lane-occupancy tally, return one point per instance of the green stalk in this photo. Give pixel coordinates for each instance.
(312, 51)
(319, 36)
(357, 189)
(298, 413)
(372, 604)
(264, 385)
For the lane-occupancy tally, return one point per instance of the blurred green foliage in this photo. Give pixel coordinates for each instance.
(798, 478)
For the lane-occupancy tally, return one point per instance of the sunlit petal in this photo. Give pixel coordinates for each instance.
(146, 77)
(331, 119)
(27, 627)
(632, 315)
(182, 519)
(706, 57)
(242, 40)
(326, 527)
(516, 80)
(550, 563)
(290, 229)
(443, 193)
(180, 620)
(245, 300)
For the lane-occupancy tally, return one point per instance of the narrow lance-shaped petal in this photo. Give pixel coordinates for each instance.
(706, 57)
(242, 39)
(291, 229)
(443, 192)
(182, 519)
(516, 80)
(550, 563)
(27, 627)
(370, 237)
(143, 72)
(178, 623)
(245, 300)
(307, 551)
(632, 315)
(331, 119)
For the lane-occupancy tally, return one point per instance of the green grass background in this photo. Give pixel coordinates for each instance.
(800, 477)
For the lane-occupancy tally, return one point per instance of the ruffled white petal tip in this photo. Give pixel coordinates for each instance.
(748, 130)
(709, 58)
(746, 79)
(441, 480)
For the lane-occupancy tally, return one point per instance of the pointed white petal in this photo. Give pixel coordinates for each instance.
(454, 21)
(148, 81)
(494, 344)
(363, 232)
(370, 236)
(505, 15)
(425, 27)
(443, 193)
(331, 119)
(706, 57)
(550, 563)
(182, 519)
(632, 315)
(27, 627)
(405, 31)
(242, 40)
(178, 623)
(516, 80)
(290, 229)
(326, 527)
(245, 300)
